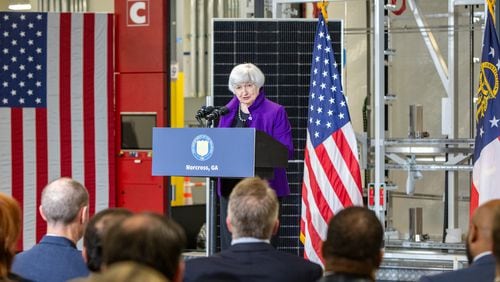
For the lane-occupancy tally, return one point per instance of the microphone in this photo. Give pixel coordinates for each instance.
(217, 112)
(203, 112)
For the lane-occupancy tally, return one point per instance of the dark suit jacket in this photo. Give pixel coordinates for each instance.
(53, 259)
(247, 262)
(481, 270)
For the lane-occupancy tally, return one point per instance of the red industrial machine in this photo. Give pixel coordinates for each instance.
(142, 92)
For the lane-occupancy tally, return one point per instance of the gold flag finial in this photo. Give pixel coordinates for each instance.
(491, 9)
(322, 5)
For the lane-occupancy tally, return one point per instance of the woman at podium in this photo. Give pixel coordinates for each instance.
(250, 108)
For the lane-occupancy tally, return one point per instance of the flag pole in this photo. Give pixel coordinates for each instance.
(379, 110)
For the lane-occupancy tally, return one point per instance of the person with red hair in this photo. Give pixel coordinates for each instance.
(10, 229)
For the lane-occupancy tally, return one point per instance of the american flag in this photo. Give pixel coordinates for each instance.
(486, 170)
(56, 108)
(332, 179)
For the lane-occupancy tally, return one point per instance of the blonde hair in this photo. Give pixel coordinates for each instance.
(253, 209)
(10, 228)
(127, 271)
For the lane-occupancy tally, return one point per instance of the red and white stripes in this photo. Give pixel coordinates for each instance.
(73, 135)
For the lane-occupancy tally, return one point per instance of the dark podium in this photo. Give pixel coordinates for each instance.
(216, 152)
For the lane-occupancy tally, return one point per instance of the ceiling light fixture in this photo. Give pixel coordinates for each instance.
(19, 5)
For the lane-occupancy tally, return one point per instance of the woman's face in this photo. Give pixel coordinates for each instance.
(246, 93)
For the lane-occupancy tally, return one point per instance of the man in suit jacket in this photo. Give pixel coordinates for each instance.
(352, 250)
(252, 219)
(55, 258)
(479, 246)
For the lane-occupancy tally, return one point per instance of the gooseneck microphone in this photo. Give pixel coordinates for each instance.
(217, 112)
(203, 112)
(210, 113)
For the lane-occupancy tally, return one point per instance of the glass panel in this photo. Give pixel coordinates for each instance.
(137, 131)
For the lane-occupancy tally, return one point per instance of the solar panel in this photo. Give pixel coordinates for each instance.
(282, 49)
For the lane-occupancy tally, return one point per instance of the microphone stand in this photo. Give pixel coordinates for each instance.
(210, 114)
(198, 118)
(210, 123)
(211, 206)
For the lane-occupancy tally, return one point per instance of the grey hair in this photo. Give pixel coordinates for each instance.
(244, 73)
(253, 209)
(62, 199)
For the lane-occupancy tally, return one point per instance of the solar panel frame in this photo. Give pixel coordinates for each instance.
(282, 49)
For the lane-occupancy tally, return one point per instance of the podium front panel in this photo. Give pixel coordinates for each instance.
(206, 152)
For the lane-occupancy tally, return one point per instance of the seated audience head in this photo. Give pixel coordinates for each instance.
(94, 232)
(354, 242)
(65, 206)
(10, 228)
(496, 240)
(479, 237)
(253, 210)
(147, 238)
(126, 272)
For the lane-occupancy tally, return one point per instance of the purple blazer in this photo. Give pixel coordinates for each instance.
(272, 119)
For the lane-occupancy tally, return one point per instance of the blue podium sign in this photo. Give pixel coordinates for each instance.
(207, 152)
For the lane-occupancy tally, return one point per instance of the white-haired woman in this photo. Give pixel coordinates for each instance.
(250, 108)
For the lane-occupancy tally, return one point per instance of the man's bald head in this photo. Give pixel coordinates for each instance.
(62, 199)
(354, 241)
(496, 237)
(484, 217)
(480, 238)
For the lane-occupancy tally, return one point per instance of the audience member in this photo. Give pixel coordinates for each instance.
(353, 247)
(252, 219)
(479, 247)
(496, 242)
(55, 258)
(147, 238)
(10, 228)
(125, 272)
(94, 233)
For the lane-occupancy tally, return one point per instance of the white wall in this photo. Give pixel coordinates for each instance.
(101, 6)
(4, 5)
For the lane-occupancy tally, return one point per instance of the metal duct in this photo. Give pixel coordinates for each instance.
(208, 72)
(228, 12)
(220, 9)
(236, 10)
(201, 42)
(198, 73)
(193, 79)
